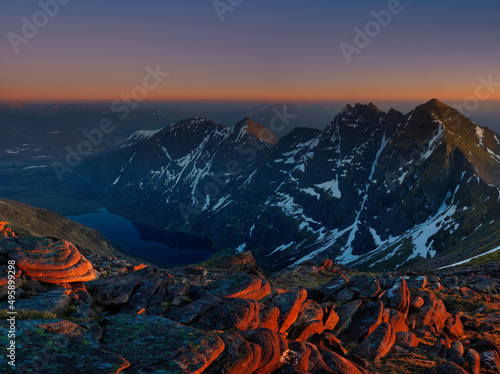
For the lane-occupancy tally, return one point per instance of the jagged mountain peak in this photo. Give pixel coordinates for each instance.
(372, 189)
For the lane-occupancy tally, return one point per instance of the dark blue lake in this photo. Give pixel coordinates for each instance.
(150, 243)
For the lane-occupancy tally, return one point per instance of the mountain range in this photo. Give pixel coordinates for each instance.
(373, 190)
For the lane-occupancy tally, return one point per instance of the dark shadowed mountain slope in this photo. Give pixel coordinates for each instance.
(373, 190)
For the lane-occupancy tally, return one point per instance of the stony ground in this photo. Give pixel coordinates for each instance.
(227, 316)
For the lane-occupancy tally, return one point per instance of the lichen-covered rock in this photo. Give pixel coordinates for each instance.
(338, 364)
(396, 319)
(43, 253)
(364, 322)
(336, 284)
(192, 311)
(243, 286)
(160, 344)
(346, 312)
(432, 315)
(304, 331)
(49, 260)
(377, 344)
(366, 286)
(406, 340)
(268, 317)
(140, 299)
(272, 348)
(398, 297)
(330, 317)
(58, 346)
(308, 358)
(53, 301)
(288, 304)
(230, 313)
(454, 327)
(329, 341)
(116, 290)
(239, 356)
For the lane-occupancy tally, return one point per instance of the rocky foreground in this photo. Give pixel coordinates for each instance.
(94, 314)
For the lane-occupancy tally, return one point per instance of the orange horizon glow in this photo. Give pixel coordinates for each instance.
(110, 94)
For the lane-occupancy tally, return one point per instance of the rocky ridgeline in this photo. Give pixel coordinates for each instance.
(228, 317)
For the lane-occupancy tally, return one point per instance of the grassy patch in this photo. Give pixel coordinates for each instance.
(28, 314)
(468, 306)
(415, 364)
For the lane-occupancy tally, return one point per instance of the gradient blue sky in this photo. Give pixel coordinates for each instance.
(263, 50)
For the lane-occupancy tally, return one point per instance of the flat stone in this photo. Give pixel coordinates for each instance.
(239, 356)
(58, 346)
(160, 344)
(53, 301)
(140, 299)
(243, 286)
(230, 313)
(116, 290)
(336, 284)
(346, 312)
(367, 286)
(192, 311)
(364, 322)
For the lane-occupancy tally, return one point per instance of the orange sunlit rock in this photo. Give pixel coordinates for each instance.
(139, 267)
(50, 260)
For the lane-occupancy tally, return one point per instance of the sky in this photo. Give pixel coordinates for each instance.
(260, 50)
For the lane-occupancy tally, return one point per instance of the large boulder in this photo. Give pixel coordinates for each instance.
(366, 286)
(230, 313)
(364, 322)
(345, 313)
(59, 346)
(432, 315)
(239, 356)
(398, 296)
(49, 260)
(272, 348)
(160, 344)
(377, 344)
(288, 304)
(243, 286)
(116, 290)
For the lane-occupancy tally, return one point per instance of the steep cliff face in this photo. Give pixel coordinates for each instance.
(373, 190)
